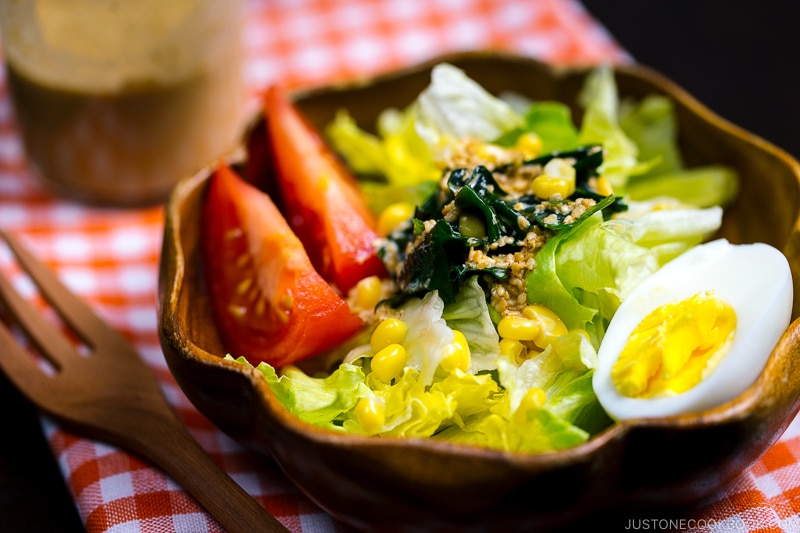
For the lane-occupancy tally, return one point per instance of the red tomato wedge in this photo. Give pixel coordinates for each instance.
(320, 197)
(269, 301)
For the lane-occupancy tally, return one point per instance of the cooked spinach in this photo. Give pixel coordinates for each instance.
(434, 259)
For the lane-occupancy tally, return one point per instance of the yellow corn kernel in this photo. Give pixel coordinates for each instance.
(559, 168)
(518, 328)
(546, 187)
(513, 349)
(534, 399)
(550, 326)
(389, 331)
(603, 186)
(490, 154)
(537, 323)
(389, 362)
(530, 144)
(368, 293)
(370, 414)
(457, 356)
(470, 225)
(393, 215)
(557, 180)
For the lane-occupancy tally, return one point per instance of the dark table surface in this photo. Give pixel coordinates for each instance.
(738, 61)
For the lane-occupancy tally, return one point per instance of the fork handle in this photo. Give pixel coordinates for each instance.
(165, 441)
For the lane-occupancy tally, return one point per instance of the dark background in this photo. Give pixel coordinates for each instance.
(738, 58)
(740, 62)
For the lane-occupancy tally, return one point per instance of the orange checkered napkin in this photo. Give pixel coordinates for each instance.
(110, 256)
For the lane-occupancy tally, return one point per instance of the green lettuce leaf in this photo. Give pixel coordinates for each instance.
(540, 431)
(600, 126)
(410, 410)
(546, 286)
(567, 358)
(667, 232)
(651, 124)
(711, 185)
(454, 106)
(428, 334)
(576, 403)
(472, 393)
(364, 152)
(395, 164)
(469, 314)
(319, 401)
(551, 122)
(563, 371)
(396, 152)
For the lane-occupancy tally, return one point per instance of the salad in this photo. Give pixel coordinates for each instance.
(453, 275)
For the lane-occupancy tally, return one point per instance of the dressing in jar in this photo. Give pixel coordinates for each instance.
(116, 101)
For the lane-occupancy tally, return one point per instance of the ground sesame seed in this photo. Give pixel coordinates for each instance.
(509, 295)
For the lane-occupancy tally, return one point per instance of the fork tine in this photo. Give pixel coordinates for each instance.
(50, 342)
(21, 368)
(75, 313)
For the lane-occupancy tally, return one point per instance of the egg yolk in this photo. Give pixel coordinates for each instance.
(675, 347)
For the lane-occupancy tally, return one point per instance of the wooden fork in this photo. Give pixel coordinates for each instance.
(110, 394)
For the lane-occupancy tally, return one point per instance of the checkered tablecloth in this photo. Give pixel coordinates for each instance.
(110, 256)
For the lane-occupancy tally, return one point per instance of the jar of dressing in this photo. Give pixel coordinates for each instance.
(117, 100)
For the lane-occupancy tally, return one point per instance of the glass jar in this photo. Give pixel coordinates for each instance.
(117, 100)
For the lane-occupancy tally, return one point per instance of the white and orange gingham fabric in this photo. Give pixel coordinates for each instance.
(110, 256)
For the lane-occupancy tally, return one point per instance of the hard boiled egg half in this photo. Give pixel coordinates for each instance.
(697, 333)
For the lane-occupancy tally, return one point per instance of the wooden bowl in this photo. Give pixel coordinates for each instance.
(388, 484)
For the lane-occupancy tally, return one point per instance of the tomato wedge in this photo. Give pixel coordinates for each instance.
(320, 197)
(269, 301)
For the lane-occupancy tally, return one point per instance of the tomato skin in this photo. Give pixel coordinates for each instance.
(268, 299)
(321, 197)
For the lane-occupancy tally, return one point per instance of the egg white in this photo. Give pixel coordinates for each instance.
(755, 279)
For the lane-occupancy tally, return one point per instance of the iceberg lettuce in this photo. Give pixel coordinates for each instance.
(469, 314)
(552, 122)
(315, 400)
(410, 409)
(651, 124)
(454, 106)
(600, 125)
(396, 154)
(428, 334)
(540, 431)
(707, 186)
